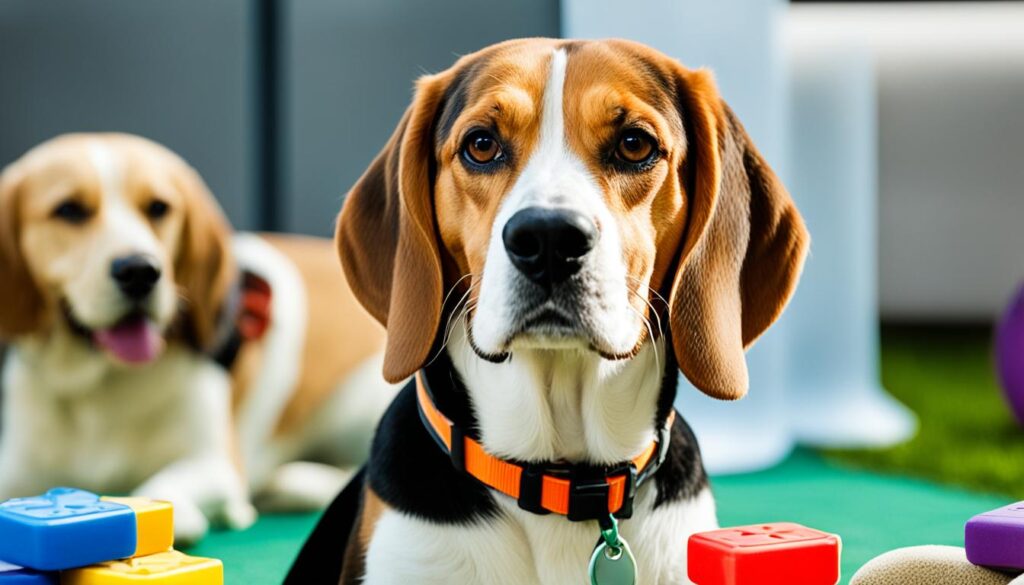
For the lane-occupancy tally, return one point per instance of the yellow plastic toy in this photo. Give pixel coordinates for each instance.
(166, 568)
(154, 524)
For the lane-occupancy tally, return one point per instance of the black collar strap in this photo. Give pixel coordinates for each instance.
(576, 491)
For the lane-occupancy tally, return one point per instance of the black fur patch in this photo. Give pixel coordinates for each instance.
(455, 98)
(411, 474)
(682, 475)
(321, 558)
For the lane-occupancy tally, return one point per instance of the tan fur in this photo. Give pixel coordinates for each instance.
(21, 302)
(744, 250)
(355, 553)
(390, 257)
(709, 226)
(206, 269)
(339, 337)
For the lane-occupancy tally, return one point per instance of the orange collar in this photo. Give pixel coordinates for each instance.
(579, 492)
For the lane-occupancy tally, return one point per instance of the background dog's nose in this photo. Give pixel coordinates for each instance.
(135, 275)
(546, 245)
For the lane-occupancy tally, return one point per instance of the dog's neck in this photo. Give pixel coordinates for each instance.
(564, 405)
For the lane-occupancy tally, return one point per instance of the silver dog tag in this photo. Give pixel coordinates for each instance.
(613, 565)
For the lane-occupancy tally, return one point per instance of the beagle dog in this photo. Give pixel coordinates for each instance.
(153, 352)
(555, 230)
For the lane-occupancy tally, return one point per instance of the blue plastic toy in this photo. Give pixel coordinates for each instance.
(64, 528)
(14, 575)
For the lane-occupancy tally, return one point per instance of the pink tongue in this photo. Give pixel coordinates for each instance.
(134, 340)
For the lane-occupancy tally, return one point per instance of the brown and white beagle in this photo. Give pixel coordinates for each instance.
(555, 229)
(155, 352)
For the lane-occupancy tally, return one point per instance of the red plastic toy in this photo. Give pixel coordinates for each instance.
(764, 554)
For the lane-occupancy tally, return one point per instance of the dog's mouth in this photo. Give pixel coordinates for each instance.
(551, 328)
(134, 339)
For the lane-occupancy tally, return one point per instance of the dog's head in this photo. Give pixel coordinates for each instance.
(105, 235)
(568, 190)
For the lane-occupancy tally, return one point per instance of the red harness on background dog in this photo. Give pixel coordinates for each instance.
(246, 319)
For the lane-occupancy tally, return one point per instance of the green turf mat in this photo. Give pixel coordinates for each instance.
(967, 436)
(873, 514)
(262, 554)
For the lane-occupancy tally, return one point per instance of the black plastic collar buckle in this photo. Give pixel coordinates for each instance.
(626, 511)
(531, 487)
(588, 494)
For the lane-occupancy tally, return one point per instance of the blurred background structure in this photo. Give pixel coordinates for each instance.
(898, 126)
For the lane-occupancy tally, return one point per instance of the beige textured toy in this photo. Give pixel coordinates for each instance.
(929, 565)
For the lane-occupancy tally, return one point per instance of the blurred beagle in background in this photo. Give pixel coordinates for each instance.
(555, 229)
(153, 352)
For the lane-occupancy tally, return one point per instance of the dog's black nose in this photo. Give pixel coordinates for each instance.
(548, 245)
(135, 275)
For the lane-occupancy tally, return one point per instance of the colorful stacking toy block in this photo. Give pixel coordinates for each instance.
(95, 541)
(14, 575)
(167, 568)
(764, 554)
(64, 528)
(996, 539)
(154, 524)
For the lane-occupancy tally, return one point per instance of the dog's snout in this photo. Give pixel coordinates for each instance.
(547, 245)
(135, 275)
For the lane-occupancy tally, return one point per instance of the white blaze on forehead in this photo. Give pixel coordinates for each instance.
(556, 177)
(108, 168)
(552, 121)
(128, 232)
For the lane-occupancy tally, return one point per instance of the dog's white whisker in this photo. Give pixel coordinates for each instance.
(454, 315)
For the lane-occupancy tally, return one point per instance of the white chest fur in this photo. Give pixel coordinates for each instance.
(73, 418)
(518, 547)
(562, 405)
(547, 406)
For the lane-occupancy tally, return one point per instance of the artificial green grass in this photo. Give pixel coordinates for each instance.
(967, 435)
(872, 513)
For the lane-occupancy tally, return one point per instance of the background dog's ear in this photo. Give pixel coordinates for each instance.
(21, 303)
(743, 249)
(387, 237)
(205, 267)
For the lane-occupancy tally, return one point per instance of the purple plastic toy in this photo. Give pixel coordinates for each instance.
(996, 539)
(1010, 354)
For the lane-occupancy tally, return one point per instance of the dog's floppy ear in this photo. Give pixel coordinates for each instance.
(21, 303)
(743, 249)
(387, 237)
(204, 267)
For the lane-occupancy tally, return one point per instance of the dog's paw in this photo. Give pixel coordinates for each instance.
(302, 486)
(190, 524)
(237, 514)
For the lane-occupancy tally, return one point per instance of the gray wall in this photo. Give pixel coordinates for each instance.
(178, 72)
(348, 74)
(950, 79)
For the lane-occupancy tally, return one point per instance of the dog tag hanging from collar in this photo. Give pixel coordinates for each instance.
(612, 562)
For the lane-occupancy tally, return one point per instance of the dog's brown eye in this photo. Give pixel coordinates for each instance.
(157, 209)
(72, 212)
(481, 147)
(635, 146)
